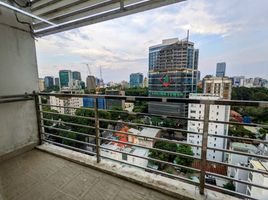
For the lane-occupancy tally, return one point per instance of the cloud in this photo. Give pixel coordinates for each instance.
(120, 46)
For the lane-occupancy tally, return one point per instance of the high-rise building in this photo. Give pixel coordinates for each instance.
(217, 113)
(76, 75)
(91, 82)
(65, 78)
(173, 67)
(57, 81)
(136, 80)
(220, 69)
(220, 86)
(41, 84)
(49, 81)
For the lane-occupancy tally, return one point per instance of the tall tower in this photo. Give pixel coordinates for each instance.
(220, 69)
(65, 77)
(173, 67)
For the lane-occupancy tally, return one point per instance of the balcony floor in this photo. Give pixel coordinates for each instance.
(36, 175)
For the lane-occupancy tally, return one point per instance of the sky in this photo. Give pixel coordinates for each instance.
(231, 31)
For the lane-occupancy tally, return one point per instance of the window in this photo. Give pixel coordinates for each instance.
(193, 111)
(213, 157)
(214, 145)
(215, 139)
(124, 156)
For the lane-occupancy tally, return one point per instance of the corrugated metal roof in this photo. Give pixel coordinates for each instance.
(53, 16)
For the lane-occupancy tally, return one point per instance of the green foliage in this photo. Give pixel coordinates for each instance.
(161, 155)
(140, 106)
(137, 91)
(52, 88)
(229, 186)
(240, 131)
(165, 122)
(263, 132)
(253, 94)
(181, 160)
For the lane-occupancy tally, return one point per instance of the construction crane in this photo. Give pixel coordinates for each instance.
(88, 68)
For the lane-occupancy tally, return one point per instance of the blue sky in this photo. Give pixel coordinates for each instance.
(234, 31)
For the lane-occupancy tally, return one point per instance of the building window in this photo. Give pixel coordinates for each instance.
(213, 157)
(214, 145)
(215, 139)
(124, 156)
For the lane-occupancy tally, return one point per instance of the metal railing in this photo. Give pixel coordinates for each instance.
(53, 126)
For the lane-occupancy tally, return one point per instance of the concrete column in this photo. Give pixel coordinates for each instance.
(18, 74)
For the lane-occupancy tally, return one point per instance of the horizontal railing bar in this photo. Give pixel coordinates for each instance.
(236, 180)
(165, 99)
(71, 107)
(66, 138)
(151, 159)
(16, 96)
(69, 115)
(129, 123)
(239, 123)
(125, 112)
(149, 126)
(10, 100)
(73, 124)
(238, 167)
(238, 138)
(217, 188)
(150, 148)
(153, 138)
(70, 147)
(156, 171)
(239, 152)
(69, 131)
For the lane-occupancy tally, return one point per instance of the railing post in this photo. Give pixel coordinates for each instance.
(204, 148)
(97, 129)
(38, 115)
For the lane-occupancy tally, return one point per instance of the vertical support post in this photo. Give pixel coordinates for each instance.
(204, 148)
(97, 129)
(38, 117)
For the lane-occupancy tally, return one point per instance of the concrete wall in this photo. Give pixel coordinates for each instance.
(18, 74)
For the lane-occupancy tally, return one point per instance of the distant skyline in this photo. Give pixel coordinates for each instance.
(231, 31)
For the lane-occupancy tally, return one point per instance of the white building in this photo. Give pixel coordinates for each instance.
(220, 86)
(217, 113)
(236, 159)
(122, 156)
(145, 132)
(75, 102)
(258, 178)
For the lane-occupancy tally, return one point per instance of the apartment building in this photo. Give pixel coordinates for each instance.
(217, 113)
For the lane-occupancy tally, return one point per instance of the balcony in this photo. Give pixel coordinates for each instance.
(77, 166)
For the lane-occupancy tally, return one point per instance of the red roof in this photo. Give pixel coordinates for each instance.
(211, 167)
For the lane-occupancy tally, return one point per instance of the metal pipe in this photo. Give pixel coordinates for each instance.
(152, 159)
(70, 147)
(150, 148)
(204, 149)
(97, 129)
(26, 13)
(60, 129)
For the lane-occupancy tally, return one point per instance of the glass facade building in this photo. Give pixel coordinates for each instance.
(220, 69)
(76, 75)
(173, 72)
(136, 80)
(49, 81)
(65, 77)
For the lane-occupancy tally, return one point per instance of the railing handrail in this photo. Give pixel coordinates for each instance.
(165, 99)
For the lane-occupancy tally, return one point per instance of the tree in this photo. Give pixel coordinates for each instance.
(186, 161)
(229, 186)
(137, 91)
(240, 131)
(169, 146)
